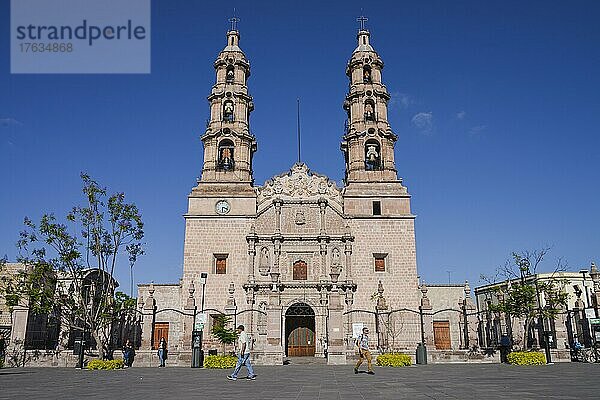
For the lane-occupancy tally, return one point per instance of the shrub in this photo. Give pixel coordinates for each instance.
(394, 360)
(526, 358)
(222, 362)
(105, 364)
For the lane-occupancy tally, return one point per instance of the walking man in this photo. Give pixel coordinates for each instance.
(244, 355)
(363, 351)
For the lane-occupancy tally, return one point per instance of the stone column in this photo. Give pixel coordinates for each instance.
(560, 328)
(19, 326)
(380, 308)
(323, 252)
(426, 310)
(471, 322)
(252, 238)
(349, 320)
(322, 208)
(278, 203)
(596, 296)
(335, 346)
(347, 238)
(188, 321)
(231, 307)
(148, 319)
(274, 347)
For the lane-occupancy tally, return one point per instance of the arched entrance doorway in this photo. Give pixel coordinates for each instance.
(300, 330)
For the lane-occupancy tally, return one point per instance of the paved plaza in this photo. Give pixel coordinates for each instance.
(441, 381)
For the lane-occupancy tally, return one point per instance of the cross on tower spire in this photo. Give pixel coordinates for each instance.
(234, 20)
(362, 19)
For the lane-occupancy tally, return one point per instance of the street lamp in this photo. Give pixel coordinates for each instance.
(587, 294)
(197, 352)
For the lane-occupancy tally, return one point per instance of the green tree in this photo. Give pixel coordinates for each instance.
(99, 235)
(220, 330)
(522, 293)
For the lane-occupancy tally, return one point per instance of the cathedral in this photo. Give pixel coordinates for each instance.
(300, 261)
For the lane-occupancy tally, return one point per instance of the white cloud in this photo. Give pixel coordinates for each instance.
(8, 122)
(461, 115)
(400, 100)
(424, 122)
(477, 130)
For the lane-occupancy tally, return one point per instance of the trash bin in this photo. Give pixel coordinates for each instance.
(197, 353)
(421, 354)
(77, 346)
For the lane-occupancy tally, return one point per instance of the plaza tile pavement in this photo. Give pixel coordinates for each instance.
(303, 382)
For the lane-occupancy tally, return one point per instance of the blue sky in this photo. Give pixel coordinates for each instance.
(496, 106)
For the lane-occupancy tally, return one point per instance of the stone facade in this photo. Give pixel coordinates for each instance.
(583, 289)
(297, 260)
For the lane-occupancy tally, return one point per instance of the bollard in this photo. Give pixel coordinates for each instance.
(421, 354)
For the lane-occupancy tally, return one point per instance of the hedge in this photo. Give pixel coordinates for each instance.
(394, 360)
(526, 358)
(222, 362)
(105, 364)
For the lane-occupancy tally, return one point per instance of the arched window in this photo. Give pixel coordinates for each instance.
(230, 74)
(369, 110)
(367, 74)
(226, 161)
(373, 156)
(300, 271)
(228, 111)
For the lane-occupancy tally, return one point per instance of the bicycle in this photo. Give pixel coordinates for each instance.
(592, 355)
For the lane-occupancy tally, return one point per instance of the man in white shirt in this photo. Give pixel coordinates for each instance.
(362, 342)
(244, 342)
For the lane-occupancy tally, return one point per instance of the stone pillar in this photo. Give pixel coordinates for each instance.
(596, 296)
(231, 307)
(380, 308)
(426, 309)
(472, 322)
(19, 325)
(323, 252)
(322, 208)
(148, 320)
(252, 238)
(560, 328)
(347, 239)
(349, 320)
(275, 273)
(188, 321)
(278, 203)
(336, 352)
(274, 347)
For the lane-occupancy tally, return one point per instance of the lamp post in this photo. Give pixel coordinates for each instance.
(203, 277)
(583, 272)
(197, 352)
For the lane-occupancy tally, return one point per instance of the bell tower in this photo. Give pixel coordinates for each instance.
(228, 144)
(368, 142)
(372, 184)
(225, 188)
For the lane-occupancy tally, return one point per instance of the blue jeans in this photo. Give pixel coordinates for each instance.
(243, 360)
(161, 357)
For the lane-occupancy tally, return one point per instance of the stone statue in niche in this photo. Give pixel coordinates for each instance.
(372, 154)
(300, 218)
(335, 257)
(230, 75)
(228, 111)
(369, 113)
(366, 75)
(226, 159)
(264, 266)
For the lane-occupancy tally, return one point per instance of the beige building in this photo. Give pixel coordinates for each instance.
(298, 259)
(583, 290)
